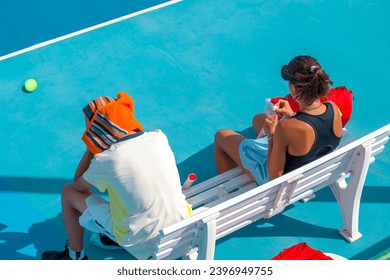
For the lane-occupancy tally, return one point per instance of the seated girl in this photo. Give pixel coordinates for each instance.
(293, 141)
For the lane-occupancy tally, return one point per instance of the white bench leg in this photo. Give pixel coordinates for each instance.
(206, 247)
(348, 195)
(193, 255)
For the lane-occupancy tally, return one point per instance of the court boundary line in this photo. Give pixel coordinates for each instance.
(88, 29)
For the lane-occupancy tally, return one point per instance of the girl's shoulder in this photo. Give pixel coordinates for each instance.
(288, 126)
(334, 105)
(292, 126)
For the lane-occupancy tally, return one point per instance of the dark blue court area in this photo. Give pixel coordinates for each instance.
(26, 23)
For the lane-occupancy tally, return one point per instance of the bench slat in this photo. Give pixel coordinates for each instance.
(173, 241)
(215, 193)
(230, 216)
(177, 232)
(227, 196)
(211, 183)
(242, 224)
(173, 253)
(245, 216)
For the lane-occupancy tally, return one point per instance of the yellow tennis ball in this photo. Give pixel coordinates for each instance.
(30, 85)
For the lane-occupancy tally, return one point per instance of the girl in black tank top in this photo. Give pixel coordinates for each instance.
(264, 159)
(325, 140)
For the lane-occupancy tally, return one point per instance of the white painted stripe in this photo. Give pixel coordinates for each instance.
(61, 38)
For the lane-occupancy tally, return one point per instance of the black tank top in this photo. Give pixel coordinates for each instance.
(325, 140)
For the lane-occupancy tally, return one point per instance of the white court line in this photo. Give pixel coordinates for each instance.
(73, 34)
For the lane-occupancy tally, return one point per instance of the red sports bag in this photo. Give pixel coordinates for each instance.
(340, 95)
(301, 251)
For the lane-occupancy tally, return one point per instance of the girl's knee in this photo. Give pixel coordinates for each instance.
(258, 118)
(72, 198)
(66, 190)
(69, 192)
(66, 194)
(220, 135)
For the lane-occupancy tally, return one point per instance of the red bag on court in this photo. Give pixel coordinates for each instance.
(341, 96)
(301, 251)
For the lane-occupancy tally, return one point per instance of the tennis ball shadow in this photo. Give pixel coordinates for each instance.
(24, 89)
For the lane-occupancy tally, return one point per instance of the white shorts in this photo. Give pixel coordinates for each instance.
(97, 217)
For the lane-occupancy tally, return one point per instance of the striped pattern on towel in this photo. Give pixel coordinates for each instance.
(109, 120)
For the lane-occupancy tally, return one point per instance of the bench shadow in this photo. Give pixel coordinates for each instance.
(282, 225)
(44, 236)
(370, 194)
(40, 237)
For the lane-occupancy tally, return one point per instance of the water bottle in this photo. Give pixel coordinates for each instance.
(269, 108)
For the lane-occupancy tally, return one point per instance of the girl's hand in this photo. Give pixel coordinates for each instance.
(270, 124)
(283, 108)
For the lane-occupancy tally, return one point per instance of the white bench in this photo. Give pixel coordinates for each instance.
(230, 201)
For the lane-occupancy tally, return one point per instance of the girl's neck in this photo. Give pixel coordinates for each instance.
(312, 107)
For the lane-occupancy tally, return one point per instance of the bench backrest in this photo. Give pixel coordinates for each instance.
(230, 201)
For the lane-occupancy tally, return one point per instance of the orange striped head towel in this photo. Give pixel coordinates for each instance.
(109, 120)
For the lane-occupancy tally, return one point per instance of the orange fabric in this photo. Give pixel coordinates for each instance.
(109, 120)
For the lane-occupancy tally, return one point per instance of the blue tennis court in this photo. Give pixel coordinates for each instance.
(192, 67)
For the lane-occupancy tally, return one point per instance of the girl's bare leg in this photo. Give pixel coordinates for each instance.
(258, 122)
(73, 205)
(226, 153)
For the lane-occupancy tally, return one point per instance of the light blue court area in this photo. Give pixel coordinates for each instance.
(192, 67)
